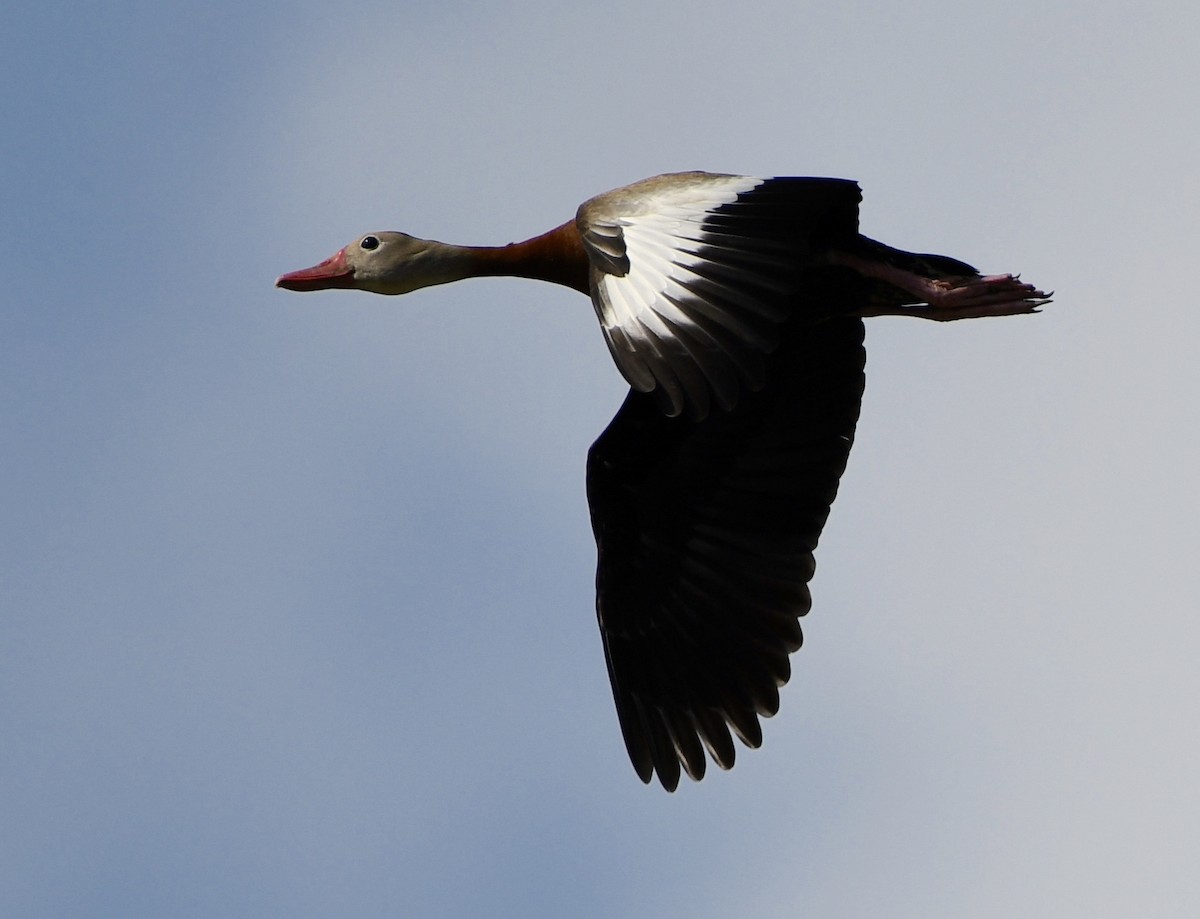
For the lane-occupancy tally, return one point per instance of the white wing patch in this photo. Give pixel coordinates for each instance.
(686, 309)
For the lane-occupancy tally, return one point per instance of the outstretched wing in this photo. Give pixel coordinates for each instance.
(705, 533)
(692, 274)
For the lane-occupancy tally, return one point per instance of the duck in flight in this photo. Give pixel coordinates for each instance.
(733, 306)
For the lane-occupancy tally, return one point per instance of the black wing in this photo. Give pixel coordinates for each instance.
(705, 533)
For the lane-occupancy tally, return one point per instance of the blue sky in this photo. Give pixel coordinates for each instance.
(296, 598)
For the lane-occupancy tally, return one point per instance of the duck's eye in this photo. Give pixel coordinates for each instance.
(370, 243)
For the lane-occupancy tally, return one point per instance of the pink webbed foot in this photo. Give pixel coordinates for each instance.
(948, 298)
(971, 298)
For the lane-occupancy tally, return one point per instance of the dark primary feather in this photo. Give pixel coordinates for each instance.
(705, 532)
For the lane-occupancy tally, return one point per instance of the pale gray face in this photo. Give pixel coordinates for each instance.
(389, 262)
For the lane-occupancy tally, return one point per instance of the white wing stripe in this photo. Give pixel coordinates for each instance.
(691, 277)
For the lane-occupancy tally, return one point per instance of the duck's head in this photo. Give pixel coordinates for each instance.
(382, 263)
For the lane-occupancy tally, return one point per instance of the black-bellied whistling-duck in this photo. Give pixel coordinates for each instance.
(733, 306)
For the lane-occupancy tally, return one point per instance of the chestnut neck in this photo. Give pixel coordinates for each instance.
(557, 256)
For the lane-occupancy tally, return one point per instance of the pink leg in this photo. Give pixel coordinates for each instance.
(945, 299)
